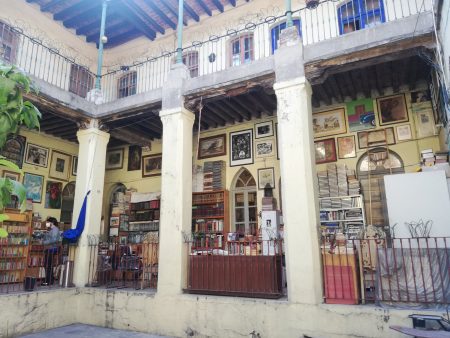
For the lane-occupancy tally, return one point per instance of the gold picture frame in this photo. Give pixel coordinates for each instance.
(60, 166)
(330, 122)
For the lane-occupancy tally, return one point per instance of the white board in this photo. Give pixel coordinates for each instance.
(418, 196)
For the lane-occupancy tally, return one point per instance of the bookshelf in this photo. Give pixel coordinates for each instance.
(210, 218)
(14, 249)
(342, 214)
(143, 217)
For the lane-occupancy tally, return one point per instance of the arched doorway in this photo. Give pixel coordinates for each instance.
(244, 203)
(372, 166)
(113, 199)
(68, 197)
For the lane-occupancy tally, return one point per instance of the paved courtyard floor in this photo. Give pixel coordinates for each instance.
(89, 331)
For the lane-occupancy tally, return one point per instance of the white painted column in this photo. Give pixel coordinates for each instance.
(300, 202)
(176, 199)
(90, 176)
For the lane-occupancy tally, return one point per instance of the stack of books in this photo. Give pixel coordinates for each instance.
(427, 157)
(324, 187)
(441, 156)
(342, 179)
(353, 183)
(213, 175)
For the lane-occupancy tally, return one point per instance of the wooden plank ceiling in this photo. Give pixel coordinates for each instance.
(128, 19)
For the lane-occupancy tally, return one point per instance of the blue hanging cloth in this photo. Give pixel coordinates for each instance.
(72, 235)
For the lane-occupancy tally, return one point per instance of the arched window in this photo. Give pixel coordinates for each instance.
(359, 14)
(244, 203)
(190, 59)
(242, 50)
(68, 197)
(127, 85)
(276, 31)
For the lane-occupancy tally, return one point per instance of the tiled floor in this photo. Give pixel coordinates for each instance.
(89, 331)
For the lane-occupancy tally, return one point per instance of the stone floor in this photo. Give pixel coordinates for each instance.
(89, 331)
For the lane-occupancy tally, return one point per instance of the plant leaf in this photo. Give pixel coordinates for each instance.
(6, 87)
(3, 217)
(10, 165)
(22, 79)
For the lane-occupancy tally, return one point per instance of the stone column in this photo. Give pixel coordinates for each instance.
(176, 185)
(298, 174)
(90, 176)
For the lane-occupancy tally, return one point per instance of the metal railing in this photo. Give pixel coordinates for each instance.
(30, 267)
(400, 270)
(115, 264)
(245, 268)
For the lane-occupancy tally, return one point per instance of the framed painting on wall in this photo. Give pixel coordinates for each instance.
(241, 147)
(403, 132)
(329, 122)
(114, 159)
(325, 151)
(266, 176)
(74, 165)
(423, 115)
(134, 158)
(33, 185)
(264, 148)
(212, 146)
(53, 195)
(14, 149)
(36, 155)
(59, 166)
(360, 115)
(264, 129)
(151, 165)
(346, 146)
(392, 109)
(375, 138)
(419, 96)
(12, 175)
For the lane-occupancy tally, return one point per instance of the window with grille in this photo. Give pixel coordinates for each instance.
(359, 14)
(244, 201)
(190, 59)
(242, 50)
(9, 41)
(127, 85)
(276, 31)
(81, 80)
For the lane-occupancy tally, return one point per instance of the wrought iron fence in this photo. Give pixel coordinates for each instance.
(400, 270)
(116, 264)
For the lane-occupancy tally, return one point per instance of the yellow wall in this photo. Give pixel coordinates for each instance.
(53, 143)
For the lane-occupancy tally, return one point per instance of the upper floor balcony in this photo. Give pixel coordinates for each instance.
(243, 49)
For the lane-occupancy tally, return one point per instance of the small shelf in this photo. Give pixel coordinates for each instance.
(335, 209)
(343, 220)
(339, 197)
(209, 217)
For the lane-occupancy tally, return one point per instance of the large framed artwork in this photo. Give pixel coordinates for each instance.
(14, 148)
(424, 118)
(376, 138)
(241, 147)
(346, 146)
(53, 195)
(114, 159)
(392, 109)
(151, 165)
(360, 115)
(134, 158)
(36, 155)
(264, 129)
(33, 185)
(212, 146)
(265, 148)
(325, 151)
(329, 122)
(266, 176)
(60, 166)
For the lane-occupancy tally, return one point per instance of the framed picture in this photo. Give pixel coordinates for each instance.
(325, 151)
(329, 122)
(420, 96)
(403, 132)
(134, 158)
(14, 148)
(123, 222)
(266, 176)
(36, 155)
(12, 175)
(264, 129)
(53, 192)
(360, 115)
(212, 146)
(114, 159)
(276, 140)
(33, 185)
(59, 166)
(423, 115)
(241, 147)
(346, 146)
(392, 109)
(265, 148)
(151, 165)
(376, 138)
(114, 221)
(74, 165)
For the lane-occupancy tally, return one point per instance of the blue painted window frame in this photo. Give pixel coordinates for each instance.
(361, 14)
(278, 29)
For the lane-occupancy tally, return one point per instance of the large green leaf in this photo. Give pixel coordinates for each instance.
(3, 233)
(3, 217)
(8, 188)
(7, 86)
(22, 79)
(10, 165)
(5, 69)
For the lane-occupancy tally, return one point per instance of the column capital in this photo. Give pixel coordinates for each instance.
(92, 131)
(185, 113)
(302, 80)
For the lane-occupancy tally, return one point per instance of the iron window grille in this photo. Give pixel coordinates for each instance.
(359, 14)
(127, 85)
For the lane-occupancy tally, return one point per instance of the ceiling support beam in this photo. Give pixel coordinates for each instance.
(163, 16)
(50, 5)
(134, 17)
(216, 105)
(379, 78)
(202, 4)
(336, 89)
(226, 117)
(77, 10)
(191, 12)
(218, 5)
(130, 137)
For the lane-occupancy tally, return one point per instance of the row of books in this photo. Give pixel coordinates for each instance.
(201, 225)
(147, 215)
(153, 204)
(12, 265)
(144, 226)
(207, 210)
(340, 215)
(430, 158)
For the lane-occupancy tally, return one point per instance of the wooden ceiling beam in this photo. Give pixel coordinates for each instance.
(47, 7)
(76, 10)
(62, 126)
(323, 95)
(206, 119)
(111, 32)
(271, 104)
(412, 76)
(239, 108)
(131, 137)
(94, 28)
(143, 132)
(258, 104)
(216, 105)
(202, 4)
(209, 114)
(349, 83)
(123, 38)
(231, 106)
(137, 12)
(232, 2)
(379, 78)
(218, 5)
(336, 90)
(315, 102)
(161, 14)
(93, 16)
(193, 14)
(240, 100)
(372, 78)
(361, 82)
(227, 117)
(131, 17)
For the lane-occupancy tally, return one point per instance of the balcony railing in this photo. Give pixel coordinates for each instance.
(401, 270)
(246, 268)
(115, 264)
(255, 37)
